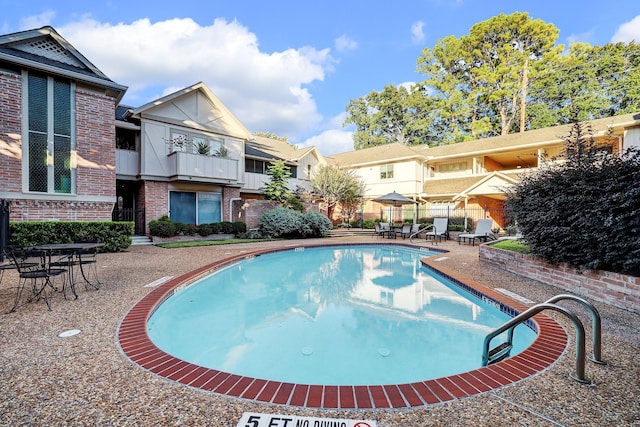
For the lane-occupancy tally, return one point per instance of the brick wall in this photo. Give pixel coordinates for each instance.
(156, 200)
(95, 142)
(228, 194)
(615, 289)
(10, 132)
(23, 210)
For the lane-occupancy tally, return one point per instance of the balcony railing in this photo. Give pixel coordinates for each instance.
(195, 166)
(127, 162)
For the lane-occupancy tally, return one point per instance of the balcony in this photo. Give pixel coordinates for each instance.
(127, 162)
(196, 167)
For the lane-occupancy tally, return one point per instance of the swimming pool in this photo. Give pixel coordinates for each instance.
(137, 345)
(330, 315)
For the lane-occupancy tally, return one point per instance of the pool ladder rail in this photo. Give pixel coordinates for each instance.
(502, 351)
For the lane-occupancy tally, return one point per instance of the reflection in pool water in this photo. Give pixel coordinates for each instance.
(333, 315)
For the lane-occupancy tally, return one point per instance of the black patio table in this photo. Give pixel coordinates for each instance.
(70, 255)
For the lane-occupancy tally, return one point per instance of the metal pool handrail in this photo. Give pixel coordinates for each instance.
(532, 311)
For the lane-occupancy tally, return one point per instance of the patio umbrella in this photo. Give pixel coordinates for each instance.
(395, 199)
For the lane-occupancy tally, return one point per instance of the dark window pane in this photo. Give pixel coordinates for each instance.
(37, 103)
(62, 107)
(37, 162)
(182, 206)
(61, 164)
(209, 205)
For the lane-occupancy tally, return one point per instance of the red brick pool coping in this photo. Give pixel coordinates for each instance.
(137, 346)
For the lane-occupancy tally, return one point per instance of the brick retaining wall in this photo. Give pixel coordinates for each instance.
(595, 285)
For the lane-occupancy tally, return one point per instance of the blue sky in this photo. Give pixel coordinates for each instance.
(289, 67)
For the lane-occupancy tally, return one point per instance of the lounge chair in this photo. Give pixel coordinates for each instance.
(439, 229)
(482, 232)
(405, 231)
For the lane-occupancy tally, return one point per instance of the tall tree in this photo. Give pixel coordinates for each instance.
(396, 114)
(277, 188)
(337, 186)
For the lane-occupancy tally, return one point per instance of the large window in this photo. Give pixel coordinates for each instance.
(50, 139)
(386, 172)
(195, 208)
(188, 142)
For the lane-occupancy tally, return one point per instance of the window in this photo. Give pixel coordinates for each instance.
(195, 208)
(294, 171)
(453, 167)
(200, 145)
(386, 172)
(50, 137)
(255, 166)
(126, 139)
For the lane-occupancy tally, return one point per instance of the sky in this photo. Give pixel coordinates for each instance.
(289, 67)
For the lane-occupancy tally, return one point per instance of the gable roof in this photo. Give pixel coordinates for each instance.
(226, 122)
(270, 149)
(43, 49)
(395, 152)
(531, 138)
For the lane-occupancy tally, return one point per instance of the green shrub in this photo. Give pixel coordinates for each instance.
(282, 222)
(162, 228)
(204, 230)
(226, 227)
(239, 228)
(585, 211)
(368, 224)
(116, 235)
(318, 224)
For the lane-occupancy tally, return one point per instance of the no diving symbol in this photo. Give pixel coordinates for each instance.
(361, 424)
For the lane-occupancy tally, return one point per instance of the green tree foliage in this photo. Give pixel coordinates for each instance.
(507, 75)
(271, 135)
(396, 114)
(277, 188)
(597, 81)
(337, 186)
(584, 211)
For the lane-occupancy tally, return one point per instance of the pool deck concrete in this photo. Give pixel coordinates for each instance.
(86, 379)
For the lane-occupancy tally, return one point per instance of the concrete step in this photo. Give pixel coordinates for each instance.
(141, 240)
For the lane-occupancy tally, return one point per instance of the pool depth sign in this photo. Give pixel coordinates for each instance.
(254, 419)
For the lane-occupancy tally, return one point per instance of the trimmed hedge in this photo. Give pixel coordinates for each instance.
(164, 227)
(116, 236)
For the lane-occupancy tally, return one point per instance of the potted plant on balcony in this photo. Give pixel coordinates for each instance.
(203, 149)
(222, 152)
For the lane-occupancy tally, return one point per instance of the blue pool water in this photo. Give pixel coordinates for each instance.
(341, 315)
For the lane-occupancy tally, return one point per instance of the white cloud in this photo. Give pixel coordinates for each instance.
(266, 91)
(334, 138)
(628, 31)
(332, 141)
(417, 32)
(345, 44)
(37, 21)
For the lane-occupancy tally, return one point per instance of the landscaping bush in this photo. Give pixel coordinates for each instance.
(116, 236)
(319, 225)
(204, 230)
(282, 222)
(239, 228)
(162, 228)
(585, 211)
(226, 227)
